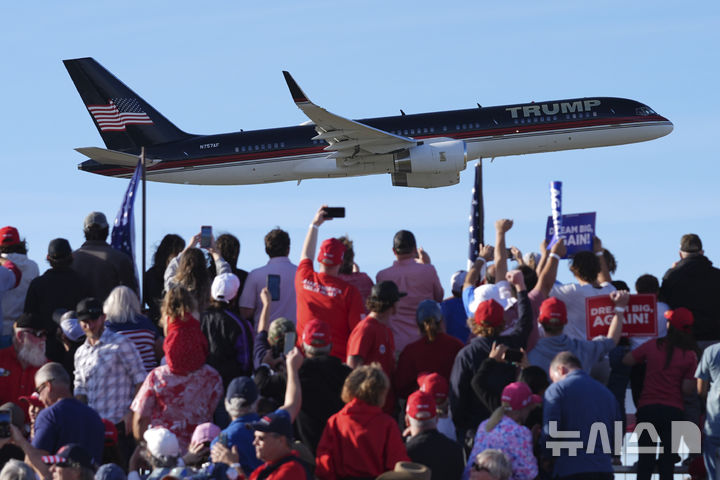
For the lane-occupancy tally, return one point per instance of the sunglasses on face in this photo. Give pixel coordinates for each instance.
(36, 333)
(43, 385)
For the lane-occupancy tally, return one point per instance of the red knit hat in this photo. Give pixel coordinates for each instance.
(489, 313)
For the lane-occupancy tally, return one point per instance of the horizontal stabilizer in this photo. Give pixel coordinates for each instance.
(111, 157)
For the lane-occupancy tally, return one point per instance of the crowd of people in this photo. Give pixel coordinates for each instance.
(315, 370)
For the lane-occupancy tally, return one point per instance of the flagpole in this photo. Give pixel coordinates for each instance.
(477, 217)
(144, 195)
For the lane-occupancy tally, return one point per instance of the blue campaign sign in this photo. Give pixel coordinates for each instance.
(578, 230)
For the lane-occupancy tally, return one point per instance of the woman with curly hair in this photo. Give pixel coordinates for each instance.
(361, 441)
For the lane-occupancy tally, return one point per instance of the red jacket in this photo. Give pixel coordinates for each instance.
(359, 441)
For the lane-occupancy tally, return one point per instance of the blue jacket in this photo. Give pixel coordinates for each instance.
(576, 403)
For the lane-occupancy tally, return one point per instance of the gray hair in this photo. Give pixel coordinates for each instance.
(122, 305)
(423, 425)
(17, 470)
(496, 463)
(237, 407)
(52, 371)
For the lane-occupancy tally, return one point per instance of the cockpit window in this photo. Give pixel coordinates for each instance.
(644, 111)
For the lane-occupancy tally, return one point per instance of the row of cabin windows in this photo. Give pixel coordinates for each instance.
(430, 130)
(260, 147)
(548, 118)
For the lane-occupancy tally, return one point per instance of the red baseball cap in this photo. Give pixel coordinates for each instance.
(489, 313)
(519, 396)
(434, 384)
(316, 334)
(553, 312)
(111, 433)
(33, 400)
(680, 318)
(331, 252)
(9, 236)
(421, 406)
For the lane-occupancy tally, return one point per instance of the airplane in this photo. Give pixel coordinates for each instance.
(423, 150)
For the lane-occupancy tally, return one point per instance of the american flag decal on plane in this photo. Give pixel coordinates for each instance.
(119, 112)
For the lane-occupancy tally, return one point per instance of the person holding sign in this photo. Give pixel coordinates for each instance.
(593, 279)
(553, 318)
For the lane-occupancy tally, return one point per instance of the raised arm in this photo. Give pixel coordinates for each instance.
(604, 275)
(308, 250)
(264, 320)
(473, 275)
(620, 298)
(525, 313)
(544, 254)
(501, 227)
(547, 277)
(293, 393)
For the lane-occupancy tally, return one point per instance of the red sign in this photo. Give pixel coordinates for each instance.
(640, 317)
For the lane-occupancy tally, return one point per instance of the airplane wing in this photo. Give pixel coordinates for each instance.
(346, 138)
(112, 157)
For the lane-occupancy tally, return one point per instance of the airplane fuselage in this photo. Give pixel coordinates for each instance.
(290, 153)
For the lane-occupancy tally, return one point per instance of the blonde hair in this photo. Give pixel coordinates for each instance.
(367, 383)
(497, 416)
(122, 305)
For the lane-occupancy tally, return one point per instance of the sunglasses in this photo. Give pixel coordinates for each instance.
(43, 385)
(36, 333)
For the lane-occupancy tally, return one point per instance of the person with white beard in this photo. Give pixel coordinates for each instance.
(20, 361)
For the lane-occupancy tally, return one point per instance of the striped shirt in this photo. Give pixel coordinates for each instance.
(143, 333)
(107, 373)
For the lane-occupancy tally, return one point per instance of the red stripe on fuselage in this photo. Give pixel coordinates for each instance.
(479, 133)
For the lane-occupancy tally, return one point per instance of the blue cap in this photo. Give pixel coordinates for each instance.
(110, 471)
(242, 387)
(276, 422)
(428, 310)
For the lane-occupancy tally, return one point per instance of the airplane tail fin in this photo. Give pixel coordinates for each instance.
(125, 121)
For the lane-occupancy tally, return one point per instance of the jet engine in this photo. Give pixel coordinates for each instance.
(429, 165)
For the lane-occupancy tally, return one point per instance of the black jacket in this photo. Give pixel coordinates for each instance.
(321, 380)
(443, 456)
(695, 284)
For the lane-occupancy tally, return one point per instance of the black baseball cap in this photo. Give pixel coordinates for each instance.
(30, 320)
(386, 292)
(89, 309)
